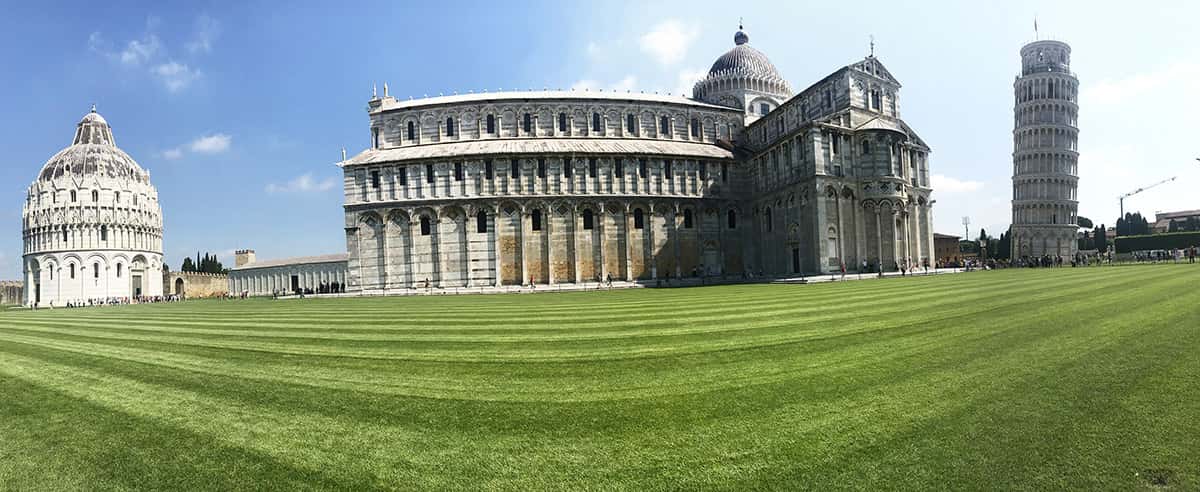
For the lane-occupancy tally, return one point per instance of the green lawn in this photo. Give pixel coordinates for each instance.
(1064, 379)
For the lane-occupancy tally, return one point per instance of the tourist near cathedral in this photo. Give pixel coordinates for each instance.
(92, 225)
(747, 178)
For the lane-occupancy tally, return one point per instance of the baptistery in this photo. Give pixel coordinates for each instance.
(92, 225)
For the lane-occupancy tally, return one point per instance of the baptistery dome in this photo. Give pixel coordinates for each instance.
(92, 224)
(743, 78)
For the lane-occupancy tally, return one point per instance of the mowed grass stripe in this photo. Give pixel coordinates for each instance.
(500, 334)
(1019, 379)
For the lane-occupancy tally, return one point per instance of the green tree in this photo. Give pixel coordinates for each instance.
(1100, 238)
(1083, 222)
(188, 266)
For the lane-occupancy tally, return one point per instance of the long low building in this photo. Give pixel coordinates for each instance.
(286, 276)
(11, 292)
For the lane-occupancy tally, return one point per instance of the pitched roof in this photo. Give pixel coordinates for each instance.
(518, 146)
(299, 260)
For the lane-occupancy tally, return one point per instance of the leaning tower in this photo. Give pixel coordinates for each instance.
(1045, 152)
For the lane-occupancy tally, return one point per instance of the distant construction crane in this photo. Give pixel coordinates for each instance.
(1139, 190)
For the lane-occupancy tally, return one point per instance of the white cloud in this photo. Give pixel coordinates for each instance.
(668, 41)
(211, 144)
(1110, 91)
(175, 76)
(207, 30)
(138, 52)
(207, 144)
(172, 154)
(947, 184)
(150, 53)
(687, 79)
(302, 184)
(97, 43)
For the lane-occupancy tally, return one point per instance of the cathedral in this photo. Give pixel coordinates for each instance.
(744, 179)
(92, 225)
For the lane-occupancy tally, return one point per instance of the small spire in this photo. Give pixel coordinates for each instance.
(374, 91)
(740, 23)
(93, 107)
(343, 154)
(872, 46)
(385, 89)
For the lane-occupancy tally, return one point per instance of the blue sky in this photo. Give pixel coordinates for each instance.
(239, 110)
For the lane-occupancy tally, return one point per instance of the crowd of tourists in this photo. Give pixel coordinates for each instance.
(117, 301)
(1167, 255)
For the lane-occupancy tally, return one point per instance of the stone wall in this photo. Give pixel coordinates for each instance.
(195, 284)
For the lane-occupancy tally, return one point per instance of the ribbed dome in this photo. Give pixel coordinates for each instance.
(93, 153)
(743, 60)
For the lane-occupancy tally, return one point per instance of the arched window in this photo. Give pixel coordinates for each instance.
(562, 122)
(425, 226)
(535, 220)
(491, 124)
(541, 167)
(667, 168)
(375, 138)
(588, 220)
(73, 195)
(770, 223)
(527, 123)
(695, 127)
(687, 218)
(117, 197)
(639, 220)
(95, 270)
(764, 108)
(596, 122)
(732, 219)
(514, 169)
(429, 176)
(664, 126)
(72, 271)
(95, 196)
(119, 270)
(592, 167)
(481, 222)
(866, 147)
(64, 234)
(568, 167)
(450, 127)
(104, 233)
(630, 123)
(412, 131)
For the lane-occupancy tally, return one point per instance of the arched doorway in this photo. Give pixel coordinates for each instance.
(179, 287)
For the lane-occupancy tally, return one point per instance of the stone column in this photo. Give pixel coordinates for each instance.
(601, 222)
(523, 249)
(498, 260)
(879, 237)
(649, 251)
(860, 234)
(549, 246)
(895, 236)
(575, 218)
(629, 244)
(841, 233)
(822, 246)
(674, 231)
(385, 275)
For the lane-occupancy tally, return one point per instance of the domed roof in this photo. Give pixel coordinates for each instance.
(744, 60)
(93, 153)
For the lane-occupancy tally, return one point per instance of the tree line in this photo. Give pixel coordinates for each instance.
(203, 264)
